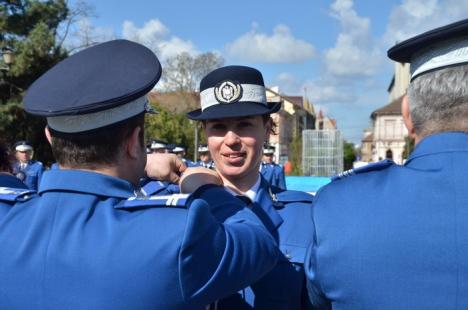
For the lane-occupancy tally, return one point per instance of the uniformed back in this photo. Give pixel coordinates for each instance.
(77, 249)
(399, 240)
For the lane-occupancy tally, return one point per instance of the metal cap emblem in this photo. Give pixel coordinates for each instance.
(228, 92)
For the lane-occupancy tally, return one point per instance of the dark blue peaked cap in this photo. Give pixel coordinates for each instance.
(233, 91)
(435, 49)
(112, 78)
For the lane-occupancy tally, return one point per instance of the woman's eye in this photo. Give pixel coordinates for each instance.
(244, 124)
(218, 127)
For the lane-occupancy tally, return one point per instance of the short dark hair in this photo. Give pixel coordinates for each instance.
(274, 126)
(95, 148)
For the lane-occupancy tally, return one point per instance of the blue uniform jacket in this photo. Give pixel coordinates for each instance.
(273, 174)
(31, 175)
(79, 244)
(151, 187)
(287, 215)
(9, 180)
(210, 165)
(395, 237)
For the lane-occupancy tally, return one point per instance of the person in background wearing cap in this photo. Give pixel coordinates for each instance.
(7, 179)
(179, 150)
(25, 168)
(236, 119)
(157, 146)
(396, 237)
(156, 186)
(205, 157)
(271, 171)
(81, 242)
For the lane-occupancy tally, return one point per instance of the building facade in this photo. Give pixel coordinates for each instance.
(296, 114)
(387, 138)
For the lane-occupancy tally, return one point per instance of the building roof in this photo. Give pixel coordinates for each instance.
(368, 138)
(297, 101)
(176, 102)
(393, 108)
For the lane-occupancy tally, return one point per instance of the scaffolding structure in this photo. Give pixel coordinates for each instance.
(322, 152)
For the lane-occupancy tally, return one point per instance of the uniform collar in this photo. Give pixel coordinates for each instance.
(252, 192)
(264, 201)
(440, 143)
(85, 182)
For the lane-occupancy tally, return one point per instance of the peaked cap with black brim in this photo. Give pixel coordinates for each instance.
(96, 87)
(435, 49)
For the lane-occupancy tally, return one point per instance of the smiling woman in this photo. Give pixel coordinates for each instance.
(236, 147)
(236, 119)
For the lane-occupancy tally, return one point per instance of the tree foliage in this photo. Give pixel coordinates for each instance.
(171, 127)
(296, 155)
(32, 29)
(409, 147)
(349, 155)
(183, 72)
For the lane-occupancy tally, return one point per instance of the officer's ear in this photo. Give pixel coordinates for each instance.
(133, 145)
(405, 111)
(47, 134)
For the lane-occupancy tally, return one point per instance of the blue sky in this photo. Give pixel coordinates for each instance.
(332, 51)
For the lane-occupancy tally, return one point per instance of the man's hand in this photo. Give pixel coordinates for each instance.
(195, 177)
(164, 167)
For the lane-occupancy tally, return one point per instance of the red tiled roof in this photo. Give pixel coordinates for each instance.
(176, 102)
(368, 138)
(393, 108)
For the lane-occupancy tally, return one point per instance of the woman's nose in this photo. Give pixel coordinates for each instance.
(231, 138)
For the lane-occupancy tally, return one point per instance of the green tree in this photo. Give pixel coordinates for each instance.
(296, 155)
(349, 155)
(32, 30)
(171, 127)
(409, 147)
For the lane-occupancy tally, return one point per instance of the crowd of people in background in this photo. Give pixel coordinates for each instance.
(29, 171)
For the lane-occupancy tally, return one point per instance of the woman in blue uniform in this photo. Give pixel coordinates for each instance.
(236, 119)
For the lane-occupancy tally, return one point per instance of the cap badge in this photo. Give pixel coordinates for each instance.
(228, 92)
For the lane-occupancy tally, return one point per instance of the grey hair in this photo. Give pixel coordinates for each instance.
(438, 101)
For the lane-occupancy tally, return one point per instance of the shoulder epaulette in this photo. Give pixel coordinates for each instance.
(175, 201)
(153, 187)
(15, 194)
(380, 165)
(294, 196)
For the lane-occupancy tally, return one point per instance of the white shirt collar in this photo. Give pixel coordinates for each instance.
(251, 193)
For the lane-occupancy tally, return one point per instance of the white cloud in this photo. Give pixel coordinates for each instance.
(287, 84)
(413, 17)
(355, 53)
(155, 35)
(327, 91)
(280, 47)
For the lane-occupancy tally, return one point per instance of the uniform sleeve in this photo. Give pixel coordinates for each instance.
(222, 252)
(316, 294)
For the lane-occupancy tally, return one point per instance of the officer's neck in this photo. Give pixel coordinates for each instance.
(113, 171)
(241, 184)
